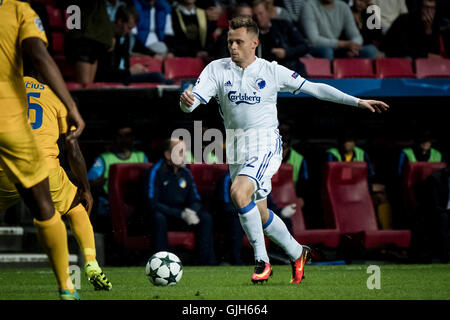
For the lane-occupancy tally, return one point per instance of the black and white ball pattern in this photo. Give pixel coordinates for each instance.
(164, 269)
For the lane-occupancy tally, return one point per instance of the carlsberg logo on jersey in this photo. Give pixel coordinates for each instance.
(239, 98)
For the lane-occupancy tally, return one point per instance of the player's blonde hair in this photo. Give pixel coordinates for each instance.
(244, 22)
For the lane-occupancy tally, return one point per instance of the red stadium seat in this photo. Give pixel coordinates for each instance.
(125, 181)
(283, 192)
(73, 86)
(58, 39)
(432, 68)
(152, 64)
(353, 68)
(144, 85)
(105, 85)
(394, 68)
(348, 204)
(317, 67)
(178, 68)
(206, 176)
(55, 17)
(413, 174)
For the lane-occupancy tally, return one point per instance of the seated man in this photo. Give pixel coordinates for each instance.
(114, 65)
(421, 150)
(174, 203)
(415, 34)
(122, 152)
(324, 21)
(279, 40)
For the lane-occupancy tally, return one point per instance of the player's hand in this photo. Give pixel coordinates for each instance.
(373, 105)
(87, 201)
(74, 120)
(187, 98)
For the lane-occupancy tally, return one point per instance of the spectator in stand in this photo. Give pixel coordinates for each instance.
(154, 26)
(390, 10)
(279, 40)
(111, 8)
(192, 31)
(221, 45)
(121, 152)
(86, 45)
(370, 36)
(421, 150)
(294, 7)
(415, 35)
(432, 220)
(114, 66)
(174, 203)
(324, 21)
(276, 12)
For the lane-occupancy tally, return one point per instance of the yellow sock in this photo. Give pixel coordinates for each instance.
(82, 229)
(385, 215)
(52, 235)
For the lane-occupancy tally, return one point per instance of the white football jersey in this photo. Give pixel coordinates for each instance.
(247, 97)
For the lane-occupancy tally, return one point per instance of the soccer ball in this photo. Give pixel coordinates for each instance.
(164, 269)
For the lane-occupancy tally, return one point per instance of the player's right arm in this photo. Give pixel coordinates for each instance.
(205, 88)
(47, 68)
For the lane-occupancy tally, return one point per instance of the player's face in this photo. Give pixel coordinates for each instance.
(241, 44)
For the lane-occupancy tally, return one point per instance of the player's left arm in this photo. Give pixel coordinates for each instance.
(325, 92)
(79, 171)
(291, 81)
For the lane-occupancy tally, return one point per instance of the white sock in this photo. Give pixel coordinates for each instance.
(250, 219)
(276, 230)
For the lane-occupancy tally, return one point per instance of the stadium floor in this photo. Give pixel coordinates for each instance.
(397, 282)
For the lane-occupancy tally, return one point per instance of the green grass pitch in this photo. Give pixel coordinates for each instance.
(233, 283)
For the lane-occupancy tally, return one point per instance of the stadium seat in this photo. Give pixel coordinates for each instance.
(394, 68)
(58, 39)
(206, 176)
(349, 207)
(353, 68)
(432, 68)
(152, 64)
(125, 181)
(105, 85)
(73, 85)
(283, 192)
(144, 85)
(179, 68)
(55, 17)
(413, 174)
(317, 67)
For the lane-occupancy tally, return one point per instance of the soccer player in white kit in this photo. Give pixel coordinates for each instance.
(246, 87)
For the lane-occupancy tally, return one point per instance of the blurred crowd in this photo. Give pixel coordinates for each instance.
(113, 31)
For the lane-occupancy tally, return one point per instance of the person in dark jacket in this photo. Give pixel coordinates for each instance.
(174, 204)
(279, 40)
(414, 35)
